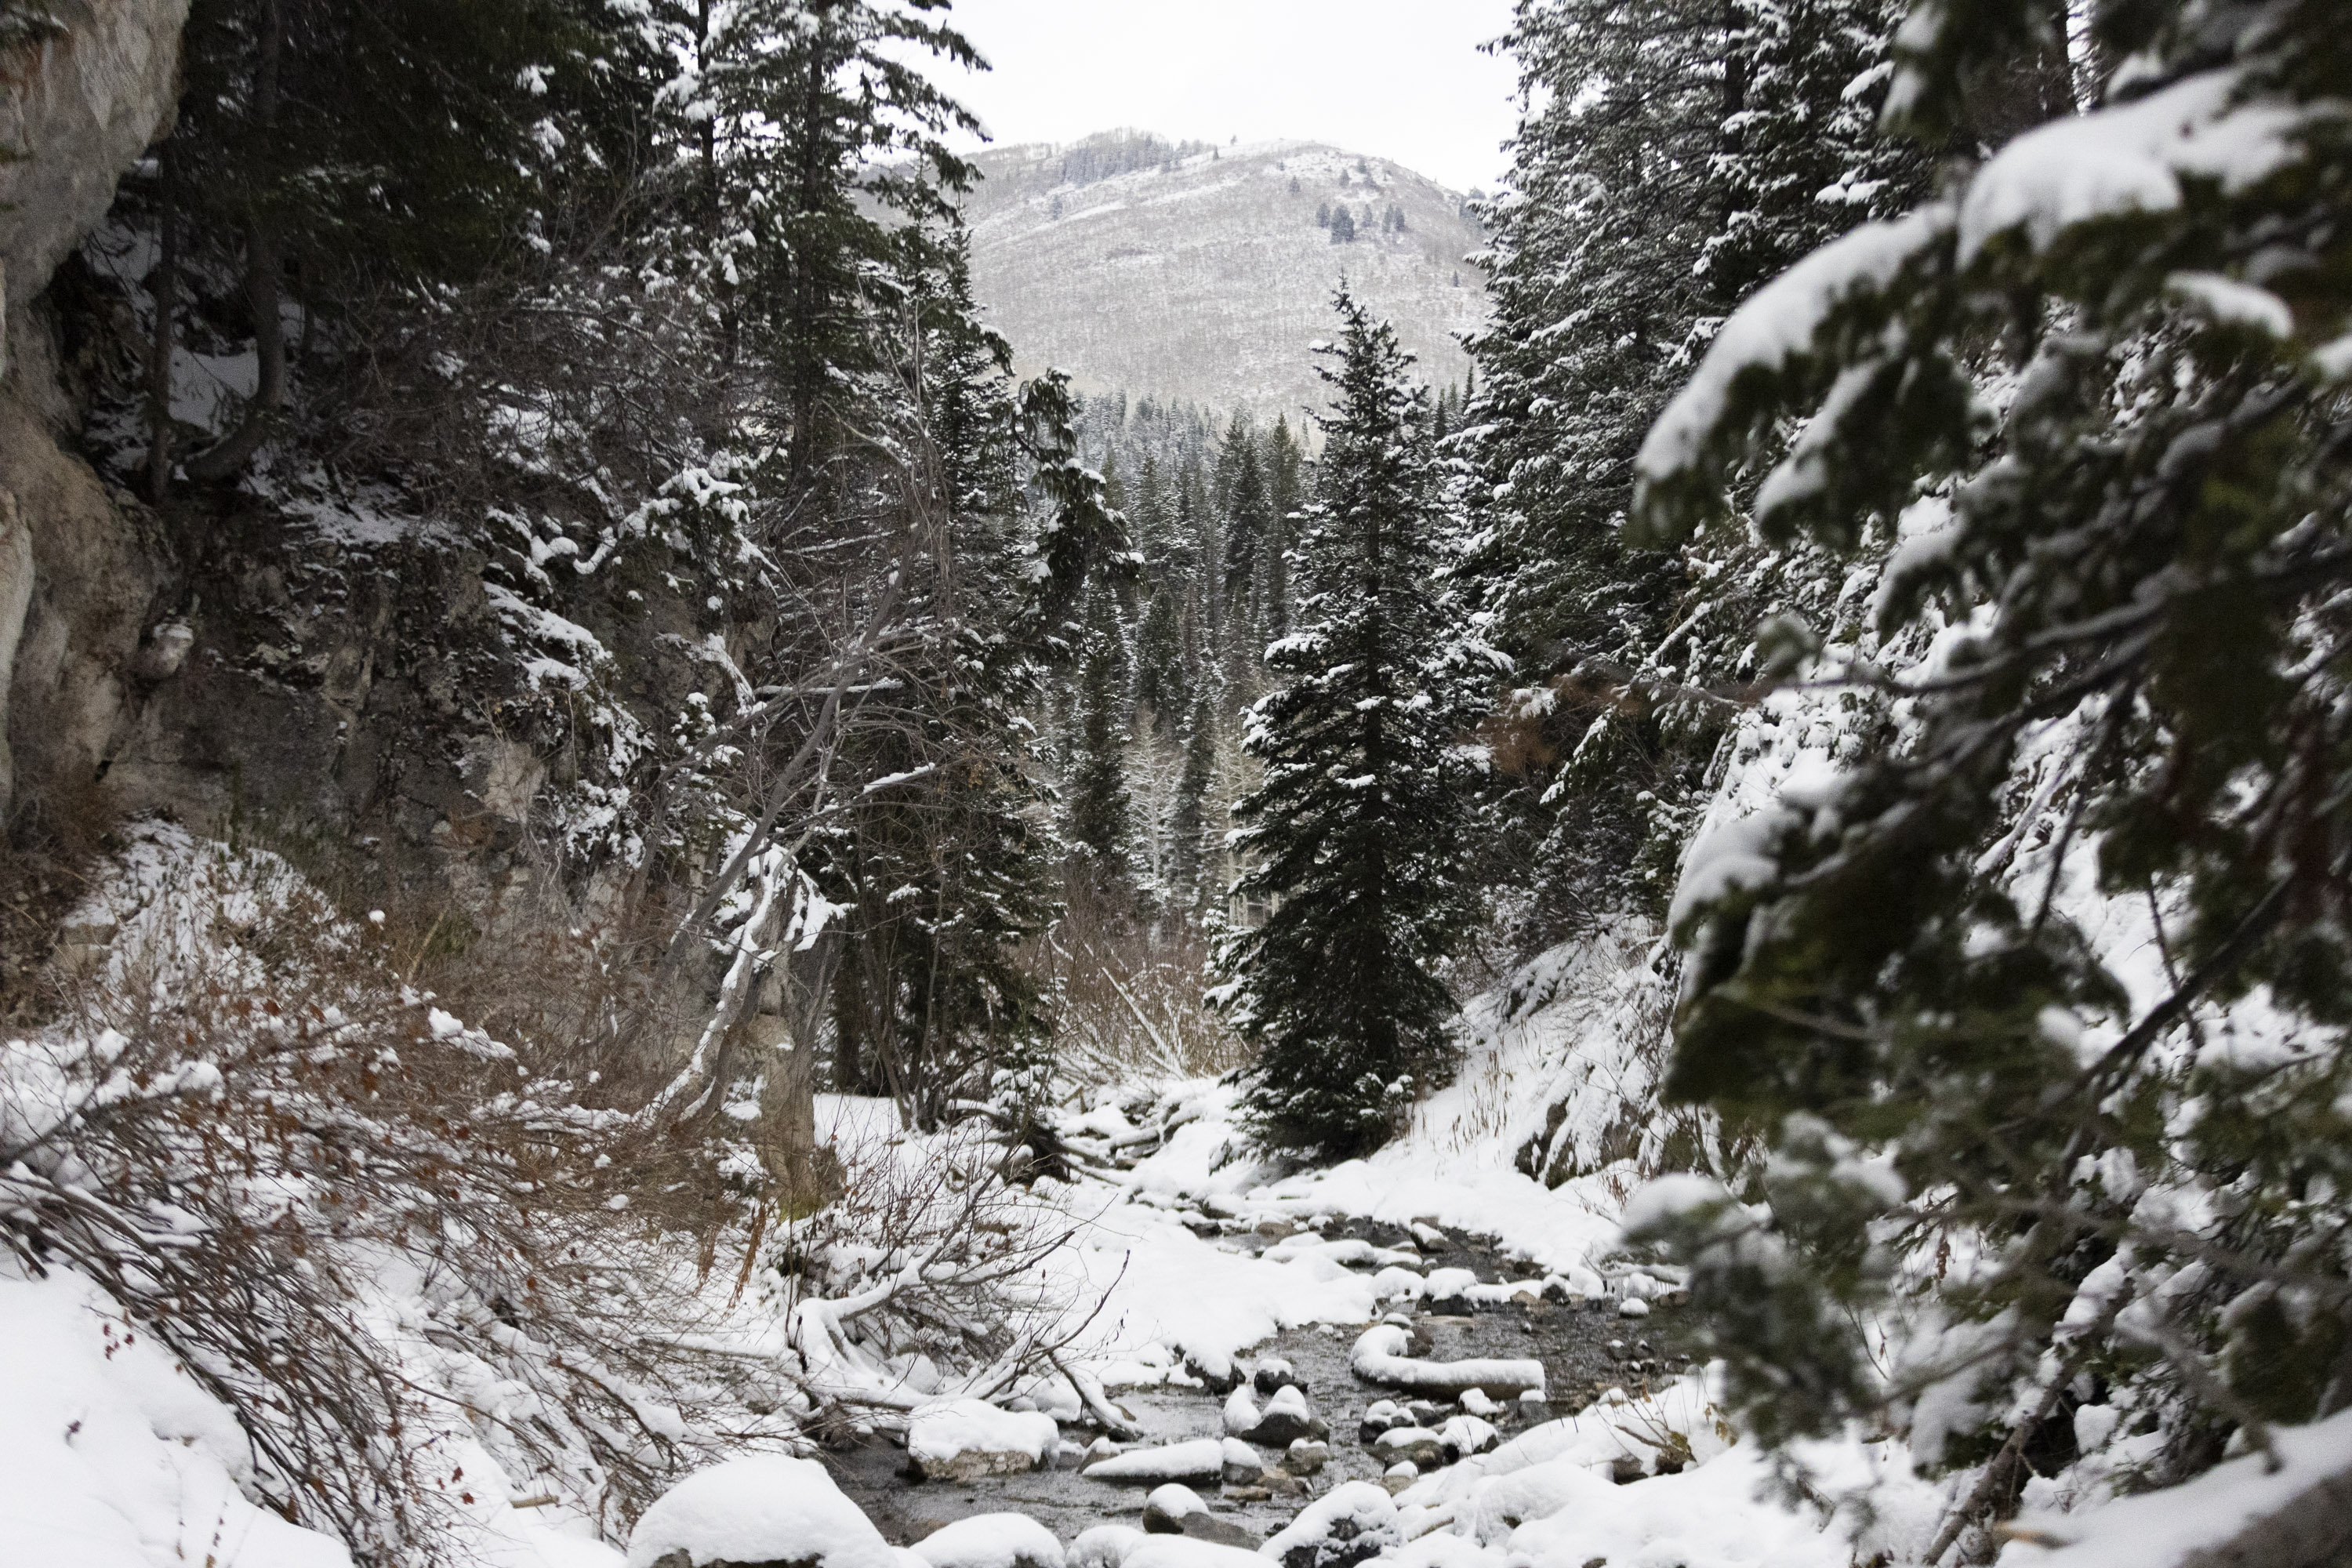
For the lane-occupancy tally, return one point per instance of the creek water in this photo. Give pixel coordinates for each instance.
(1584, 1350)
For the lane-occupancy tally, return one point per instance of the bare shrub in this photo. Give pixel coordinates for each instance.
(244, 1124)
(1130, 996)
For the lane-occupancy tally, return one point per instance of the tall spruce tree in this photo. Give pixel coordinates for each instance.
(1100, 817)
(1355, 836)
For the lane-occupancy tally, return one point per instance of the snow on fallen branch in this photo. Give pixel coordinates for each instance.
(1381, 1357)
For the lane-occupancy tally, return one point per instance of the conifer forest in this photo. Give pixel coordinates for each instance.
(740, 827)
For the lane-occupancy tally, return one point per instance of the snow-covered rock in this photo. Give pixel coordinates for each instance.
(1305, 1457)
(1418, 1445)
(1285, 1420)
(1464, 1435)
(1165, 1511)
(1380, 1357)
(991, 1541)
(1274, 1373)
(1183, 1551)
(1104, 1546)
(1202, 1459)
(1350, 1523)
(763, 1507)
(1448, 1289)
(1241, 1413)
(957, 1439)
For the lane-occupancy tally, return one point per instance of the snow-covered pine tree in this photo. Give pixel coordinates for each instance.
(1188, 820)
(1100, 822)
(2112, 1166)
(1355, 836)
(1595, 294)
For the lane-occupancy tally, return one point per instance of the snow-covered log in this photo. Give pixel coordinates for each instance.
(1380, 1357)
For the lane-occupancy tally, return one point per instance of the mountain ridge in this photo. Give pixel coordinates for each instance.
(1200, 273)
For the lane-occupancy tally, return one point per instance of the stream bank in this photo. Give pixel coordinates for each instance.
(1585, 1348)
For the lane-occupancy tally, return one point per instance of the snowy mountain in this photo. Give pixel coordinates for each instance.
(1202, 273)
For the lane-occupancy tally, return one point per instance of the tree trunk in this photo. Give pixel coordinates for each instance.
(262, 268)
(807, 1176)
(158, 358)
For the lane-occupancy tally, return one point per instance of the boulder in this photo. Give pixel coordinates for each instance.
(1305, 1457)
(1104, 1546)
(1379, 1417)
(991, 1541)
(1286, 1419)
(1350, 1524)
(1274, 1373)
(962, 1439)
(764, 1511)
(1416, 1444)
(1202, 1459)
(1241, 1464)
(1168, 1507)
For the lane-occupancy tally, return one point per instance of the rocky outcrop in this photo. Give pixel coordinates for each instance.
(85, 87)
(81, 97)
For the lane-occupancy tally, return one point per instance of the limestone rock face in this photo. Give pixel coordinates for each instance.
(81, 95)
(78, 101)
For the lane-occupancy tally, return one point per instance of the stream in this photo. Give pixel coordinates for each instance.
(1584, 1350)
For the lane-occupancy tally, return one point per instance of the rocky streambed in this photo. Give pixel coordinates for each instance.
(1585, 1347)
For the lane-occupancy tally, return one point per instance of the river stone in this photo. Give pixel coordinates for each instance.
(1275, 1374)
(1305, 1457)
(1379, 1417)
(1166, 1508)
(1352, 1522)
(1287, 1420)
(1217, 1532)
(1414, 1445)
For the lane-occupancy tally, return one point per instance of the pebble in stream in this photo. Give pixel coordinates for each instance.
(1584, 1350)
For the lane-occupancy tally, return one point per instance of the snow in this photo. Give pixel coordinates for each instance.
(2227, 299)
(1365, 1512)
(939, 1434)
(1183, 1551)
(761, 1509)
(1380, 1357)
(111, 1456)
(1104, 1546)
(1777, 324)
(2125, 159)
(1204, 1458)
(1174, 1501)
(991, 1541)
(2160, 1529)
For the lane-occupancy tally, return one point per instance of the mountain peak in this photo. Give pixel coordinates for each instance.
(1203, 272)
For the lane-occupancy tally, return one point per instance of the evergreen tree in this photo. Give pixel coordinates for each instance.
(1160, 681)
(1188, 824)
(1101, 824)
(1355, 836)
(1897, 976)
(1343, 226)
(1249, 510)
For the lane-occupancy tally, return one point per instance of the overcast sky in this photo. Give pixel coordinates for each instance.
(1393, 79)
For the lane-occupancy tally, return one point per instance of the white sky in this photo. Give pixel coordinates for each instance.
(1403, 80)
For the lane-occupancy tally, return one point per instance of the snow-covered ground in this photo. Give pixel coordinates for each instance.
(1186, 1257)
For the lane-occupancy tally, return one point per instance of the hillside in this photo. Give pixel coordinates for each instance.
(1201, 274)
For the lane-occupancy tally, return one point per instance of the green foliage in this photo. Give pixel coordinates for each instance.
(1354, 836)
(2131, 567)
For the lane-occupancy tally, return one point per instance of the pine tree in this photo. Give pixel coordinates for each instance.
(1905, 978)
(1161, 685)
(1101, 821)
(1188, 824)
(1343, 226)
(1355, 836)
